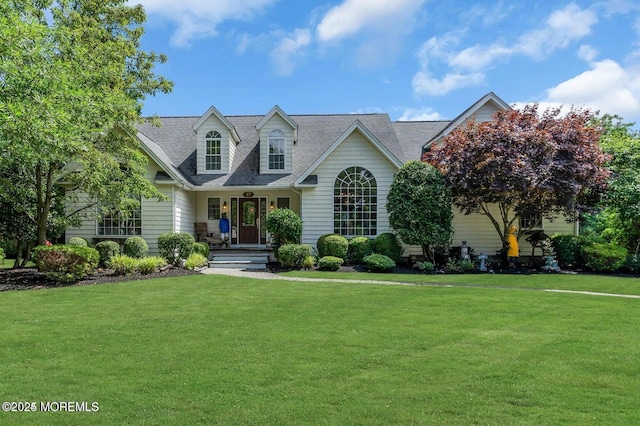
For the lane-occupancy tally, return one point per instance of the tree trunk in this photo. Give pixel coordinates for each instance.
(428, 254)
(44, 195)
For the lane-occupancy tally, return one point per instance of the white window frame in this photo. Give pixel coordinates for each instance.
(355, 203)
(213, 151)
(211, 208)
(127, 225)
(276, 160)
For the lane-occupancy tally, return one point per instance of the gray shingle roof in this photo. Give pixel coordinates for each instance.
(316, 133)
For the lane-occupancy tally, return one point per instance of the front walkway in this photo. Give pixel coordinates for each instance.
(267, 275)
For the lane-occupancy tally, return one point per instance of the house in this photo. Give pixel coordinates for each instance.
(333, 170)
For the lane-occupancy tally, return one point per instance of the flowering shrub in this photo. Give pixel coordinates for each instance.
(65, 263)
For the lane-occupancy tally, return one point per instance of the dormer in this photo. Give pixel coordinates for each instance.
(277, 133)
(216, 143)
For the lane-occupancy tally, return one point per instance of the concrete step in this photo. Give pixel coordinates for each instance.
(241, 258)
(239, 264)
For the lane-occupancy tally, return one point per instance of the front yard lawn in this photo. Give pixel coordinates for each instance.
(580, 282)
(208, 349)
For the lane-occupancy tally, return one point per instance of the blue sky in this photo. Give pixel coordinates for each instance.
(413, 59)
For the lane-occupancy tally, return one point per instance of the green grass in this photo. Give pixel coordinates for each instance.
(224, 350)
(580, 282)
(8, 263)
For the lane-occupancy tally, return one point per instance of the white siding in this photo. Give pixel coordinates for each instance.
(276, 122)
(212, 123)
(317, 203)
(485, 112)
(157, 217)
(185, 211)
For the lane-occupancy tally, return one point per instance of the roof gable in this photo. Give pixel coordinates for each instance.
(213, 111)
(277, 110)
(356, 126)
(490, 98)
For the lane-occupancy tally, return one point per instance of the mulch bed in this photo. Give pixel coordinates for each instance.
(31, 279)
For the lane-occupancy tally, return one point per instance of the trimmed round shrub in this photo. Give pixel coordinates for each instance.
(106, 250)
(285, 226)
(333, 245)
(123, 264)
(174, 246)
(151, 264)
(330, 263)
(78, 241)
(135, 247)
(293, 255)
(379, 263)
(202, 248)
(387, 244)
(196, 260)
(426, 267)
(359, 248)
(64, 262)
(604, 257)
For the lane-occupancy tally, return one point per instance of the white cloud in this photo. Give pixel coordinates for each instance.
(420, 114)
(466, 67)
(196, 19)
(606, 87)
(353, 16)
(284, 55)
(587, 53)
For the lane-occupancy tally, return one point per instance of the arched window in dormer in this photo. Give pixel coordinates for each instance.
(355, 203)
(213, 152)
(276, 150)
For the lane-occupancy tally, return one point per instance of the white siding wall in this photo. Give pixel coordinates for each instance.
(87, 228)
(485, 112)
(212, 123)
(185, 211)
(157, 217)
(317, 203)
(276, 122)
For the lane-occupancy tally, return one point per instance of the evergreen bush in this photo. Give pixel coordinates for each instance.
(293, 255)
(78, 241)
(106, 250)
(202, 248)
(135, 247)
(359, 248)
(379, 263)
(388, 245)
(333, 245)
(329, 263)
(604, 257)
(285, 226)
(568, 250)
(174, 246)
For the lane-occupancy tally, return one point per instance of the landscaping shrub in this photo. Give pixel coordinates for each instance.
(388, 245)
(359, 248)
(379, 263)
(603, 257)
(426, 267)
(78, 241)
(459, 266)
(333, 245)
(123, 264)
(202, 248)
(568, 250)
(285, 226)
(174, 246)
(329, 263)
(64, 262)
(135, 247)
(151, 264)
(106, 250)
(309, 262)
(196, 260)
(293, 255)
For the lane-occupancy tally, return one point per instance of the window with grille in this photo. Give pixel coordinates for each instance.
(120, 222)
(530, 220)
(276, 150)
(213, 154)
(355, 203)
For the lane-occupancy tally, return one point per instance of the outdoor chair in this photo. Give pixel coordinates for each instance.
(203, 235)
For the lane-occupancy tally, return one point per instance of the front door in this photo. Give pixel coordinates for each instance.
(249, 232)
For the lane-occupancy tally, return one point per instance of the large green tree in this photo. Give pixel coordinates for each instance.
(524, 162)
(72, 82)
(419, 206)
(622, 201)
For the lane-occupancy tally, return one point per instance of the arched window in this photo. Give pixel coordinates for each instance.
(355, 203)
(276, 150)
(213, 153)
